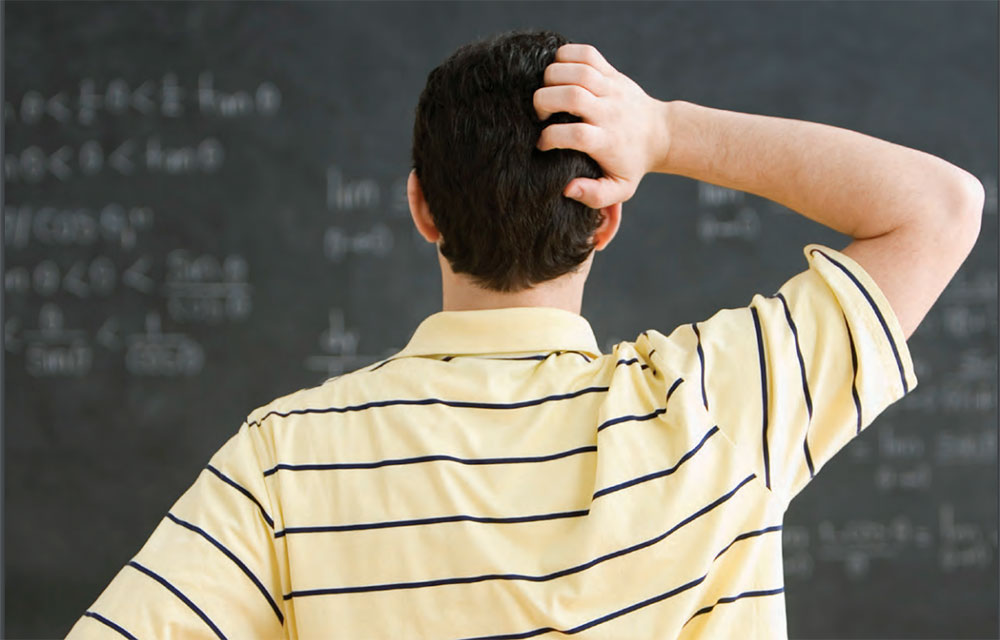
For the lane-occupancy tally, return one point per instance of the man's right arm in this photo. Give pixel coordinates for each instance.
(914, 217)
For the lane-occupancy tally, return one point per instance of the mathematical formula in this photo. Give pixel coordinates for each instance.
(855, 544)
(166, 97)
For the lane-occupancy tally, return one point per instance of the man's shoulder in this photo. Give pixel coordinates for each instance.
(332, 395)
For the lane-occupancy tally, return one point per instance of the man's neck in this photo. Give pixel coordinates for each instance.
(460, 293)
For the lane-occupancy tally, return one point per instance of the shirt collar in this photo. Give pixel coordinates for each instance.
(508, 330)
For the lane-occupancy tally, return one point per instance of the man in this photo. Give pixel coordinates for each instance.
(500, 477)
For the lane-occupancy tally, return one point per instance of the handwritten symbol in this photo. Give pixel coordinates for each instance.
(141, 100)
(56, 106)
(57, 163)
(119, 158)
(135, 276)
(107, 335)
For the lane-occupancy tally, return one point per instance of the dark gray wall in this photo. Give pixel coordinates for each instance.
(204, 210)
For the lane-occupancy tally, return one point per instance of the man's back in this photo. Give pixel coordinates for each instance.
(501, 478)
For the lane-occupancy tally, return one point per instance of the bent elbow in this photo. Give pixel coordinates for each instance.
(968, 212)
(954, 228)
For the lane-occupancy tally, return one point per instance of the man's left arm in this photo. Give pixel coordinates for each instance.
(209, 570)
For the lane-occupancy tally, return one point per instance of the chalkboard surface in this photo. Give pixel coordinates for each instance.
(204, 210)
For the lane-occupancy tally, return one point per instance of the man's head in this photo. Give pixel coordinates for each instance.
(493, 197)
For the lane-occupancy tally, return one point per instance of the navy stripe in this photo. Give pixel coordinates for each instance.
(640, 418)
(878, 314)
(749, 534)
(701, 359)
(100, 618)
(854, 381)
(530, 578)
(728, 599)
(448, 358)
(174, 590)
(631, 418)
(763, 395)
(438, 520)
(805, 383)
(542, 356)
(242, 490)
(239, 563)
(545, 356)
(676, 384)
(429, 458)
(798, 352)
(461, 404)
(656, 474)
(382, 364)
(809, 459)
(632, 361)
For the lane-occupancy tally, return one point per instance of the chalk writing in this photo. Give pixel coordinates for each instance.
(33, 164)
(164, 97)
(112, 224)
(966, 446)
(339, 346)
(917, 478)
(83, 278)
(377, 241)
(713, 195)
(201, 288)
(55, 350)
(856, 542)
(744, 225)
(344, 194)
(893, 445)
(154, 353)
(963, 545)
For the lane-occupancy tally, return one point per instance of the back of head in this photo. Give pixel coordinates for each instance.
(495, 198)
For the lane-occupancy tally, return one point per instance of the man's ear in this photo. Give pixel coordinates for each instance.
(419, 211)
(611, 217)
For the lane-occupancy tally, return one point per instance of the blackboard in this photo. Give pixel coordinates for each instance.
(204, 210)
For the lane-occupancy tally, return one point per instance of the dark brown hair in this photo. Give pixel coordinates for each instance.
(496, 199)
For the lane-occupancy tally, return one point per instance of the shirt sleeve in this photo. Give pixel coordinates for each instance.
(794, 377)
(209, 569)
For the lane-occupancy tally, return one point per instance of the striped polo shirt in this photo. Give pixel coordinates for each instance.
(500, 477)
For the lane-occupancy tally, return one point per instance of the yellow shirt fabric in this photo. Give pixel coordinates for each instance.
(501, 478)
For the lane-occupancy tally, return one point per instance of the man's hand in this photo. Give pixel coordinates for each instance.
(624, 130)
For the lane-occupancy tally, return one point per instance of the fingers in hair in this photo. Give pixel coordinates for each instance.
(574, 73)
(585, 54)
(576, 135)
(566, 97)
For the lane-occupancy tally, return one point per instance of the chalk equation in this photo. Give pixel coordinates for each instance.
(155, 353)
(344, 193)
(948, 538)
(723, 214)
(112, 224)
(338, 346)
(34, 164)
(165, 96)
